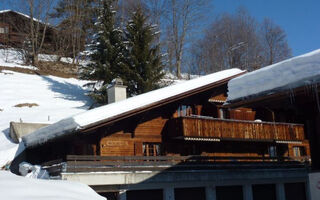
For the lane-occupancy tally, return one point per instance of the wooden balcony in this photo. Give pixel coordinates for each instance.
(207, 128)
(90, 163)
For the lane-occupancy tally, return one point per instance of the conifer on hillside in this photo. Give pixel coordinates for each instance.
(144, 55)
(108, 53)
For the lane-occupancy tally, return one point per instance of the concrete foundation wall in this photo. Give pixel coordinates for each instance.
(19, 129)
(168, 181)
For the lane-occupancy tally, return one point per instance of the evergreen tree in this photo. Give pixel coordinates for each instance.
(108, 55)
(144, 58)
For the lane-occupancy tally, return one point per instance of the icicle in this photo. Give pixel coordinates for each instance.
(291, 96)
(315, 87)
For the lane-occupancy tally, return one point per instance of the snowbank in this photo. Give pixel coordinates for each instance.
(295, 72)
(104, 113)
(15, 187)
(55, 98)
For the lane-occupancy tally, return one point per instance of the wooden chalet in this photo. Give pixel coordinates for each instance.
(174, 143)
(15, 29)
(191, 122)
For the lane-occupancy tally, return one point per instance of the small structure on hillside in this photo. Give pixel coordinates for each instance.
(20, 129)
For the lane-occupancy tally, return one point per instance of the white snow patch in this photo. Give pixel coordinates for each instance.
(295, 72)
(15, 187)
(56, 97)
(13, 58)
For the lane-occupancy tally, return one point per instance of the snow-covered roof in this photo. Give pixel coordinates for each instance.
(286, 75)
(19, 13)
(131, 105)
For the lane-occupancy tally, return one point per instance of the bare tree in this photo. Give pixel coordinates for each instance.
(274, 42)
(75, 23)
(238, 40)
(231, 41)
(39, 15)
(182, 17)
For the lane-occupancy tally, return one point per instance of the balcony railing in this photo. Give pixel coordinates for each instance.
(212, 128)
(90, 163)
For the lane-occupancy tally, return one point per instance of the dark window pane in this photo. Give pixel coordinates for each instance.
(145, 195)
(189, 194)
(264, 192)
(229, 193)
(295, 191)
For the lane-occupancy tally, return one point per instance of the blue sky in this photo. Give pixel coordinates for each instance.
(299, 18)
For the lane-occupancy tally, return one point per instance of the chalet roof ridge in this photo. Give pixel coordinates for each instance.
(22, 14)
(116, 111)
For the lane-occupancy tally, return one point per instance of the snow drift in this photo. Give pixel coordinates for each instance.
(15, 187)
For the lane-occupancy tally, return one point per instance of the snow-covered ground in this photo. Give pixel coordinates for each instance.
(13, 58)
(10, 57)
(55, 98)
(13, 187)
(299, 71)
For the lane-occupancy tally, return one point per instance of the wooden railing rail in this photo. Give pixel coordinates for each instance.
(89, 163)
(207, 127)
(173, 159)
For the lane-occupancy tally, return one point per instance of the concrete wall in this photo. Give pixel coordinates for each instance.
(208, 179)
(19, 129)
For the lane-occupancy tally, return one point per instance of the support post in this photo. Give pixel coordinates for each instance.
(210, 193)
(122, 195)
(168, 193)
(280, 191)
(247, 192)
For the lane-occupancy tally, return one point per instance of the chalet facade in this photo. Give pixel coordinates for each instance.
(177, 142)
(295, 99)
(15, 30)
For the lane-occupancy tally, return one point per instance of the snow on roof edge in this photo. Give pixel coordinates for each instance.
(83, 120)
(288, 74)
(22, 14)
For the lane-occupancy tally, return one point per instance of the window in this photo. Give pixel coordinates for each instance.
(273, 151)
(264, 192)
(222, 113)
(184, 110)
(151, 149)
(299, 151)
(4, 30)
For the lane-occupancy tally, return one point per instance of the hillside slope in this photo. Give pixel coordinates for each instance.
(50, 99)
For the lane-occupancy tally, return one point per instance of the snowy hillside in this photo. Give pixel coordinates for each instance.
(50, 99)
(13, 58)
